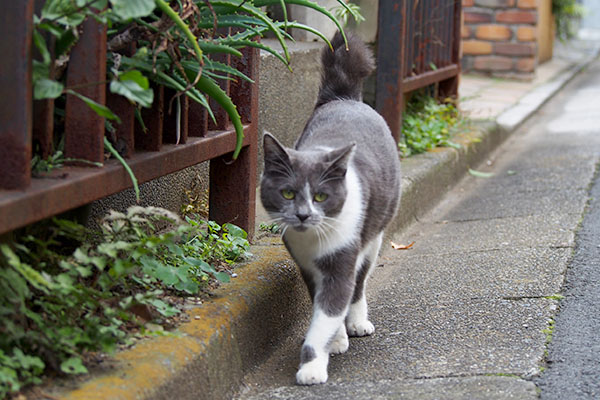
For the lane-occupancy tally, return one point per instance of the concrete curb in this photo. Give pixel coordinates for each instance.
(207, 357)
(512, 118)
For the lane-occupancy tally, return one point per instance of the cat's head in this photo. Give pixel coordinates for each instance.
(303, 189)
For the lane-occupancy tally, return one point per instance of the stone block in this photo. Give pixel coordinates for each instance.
(477, 47)
(495, 3)
(526, 64)
(515, 49)
(493, 63)
(493, 32)
(516, 17)
(526, 34)
(477, 16)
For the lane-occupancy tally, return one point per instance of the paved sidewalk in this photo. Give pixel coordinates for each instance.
(484, 98)
(464, 314)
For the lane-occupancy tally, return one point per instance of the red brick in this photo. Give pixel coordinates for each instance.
(517, 17)
(526, 34)
(493, 63)
(495, 3)
(531, 4)
(476, 47)
(493, 32)
(467, 3)
(515, 49)
(477, 17)
(526, 64)
(465, 32)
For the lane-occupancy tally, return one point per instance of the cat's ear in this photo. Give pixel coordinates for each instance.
(340, 158)
(275, 154)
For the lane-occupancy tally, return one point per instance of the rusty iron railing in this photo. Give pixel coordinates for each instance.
(152, 154)
(418, 44)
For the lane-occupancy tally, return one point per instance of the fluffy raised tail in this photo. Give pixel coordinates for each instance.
(344, 70)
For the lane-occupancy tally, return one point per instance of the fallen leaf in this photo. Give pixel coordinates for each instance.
(397, 246)
(480, 174)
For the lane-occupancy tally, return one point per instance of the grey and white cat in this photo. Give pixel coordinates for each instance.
(334, 194)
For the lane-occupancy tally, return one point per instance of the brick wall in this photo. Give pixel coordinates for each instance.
(499, 37)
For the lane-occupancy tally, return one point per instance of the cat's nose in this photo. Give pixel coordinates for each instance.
(302, 216)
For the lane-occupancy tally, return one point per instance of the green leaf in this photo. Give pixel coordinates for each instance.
(137, 77)
(126, 9)
(163, 308)
(40, 44)
(166, 274)
(222, 277)
(133, 91)
(32, 276)
(99, 109)
(235, 231)
(64, 12)
(47, 89)
(480, 174)
(73, 365)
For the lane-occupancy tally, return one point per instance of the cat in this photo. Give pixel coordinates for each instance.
(333, 194)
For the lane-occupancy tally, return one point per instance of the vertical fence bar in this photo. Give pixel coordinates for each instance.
(222, 118)
(197, 120)
(233, 185)
(16, 24)
(170, 117)
(84, 129)
(151, 138)
(408, 41)
(123, 139)
(391, 52)
(449, 87)
(43, 110)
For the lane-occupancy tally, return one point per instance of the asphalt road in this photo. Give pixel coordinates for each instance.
(464, 313)
(574, 353)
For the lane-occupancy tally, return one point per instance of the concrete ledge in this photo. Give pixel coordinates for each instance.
(207, 357)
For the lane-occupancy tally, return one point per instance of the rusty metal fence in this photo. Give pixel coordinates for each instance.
(418, 44)
(150, 154)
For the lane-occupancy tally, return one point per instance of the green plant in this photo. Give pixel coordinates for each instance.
(270, 228)
(342, 13)
(566, 13)
(72, 291)
(174, 41)
(427, 124)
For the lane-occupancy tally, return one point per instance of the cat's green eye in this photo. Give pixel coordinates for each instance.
(288, 194)
(319, 197)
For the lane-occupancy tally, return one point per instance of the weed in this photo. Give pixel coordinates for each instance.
(74, 291)
(270, 228)
(428, 124)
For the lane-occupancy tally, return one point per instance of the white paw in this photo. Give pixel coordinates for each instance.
(339, 345)
(360, 328)
(311, 373)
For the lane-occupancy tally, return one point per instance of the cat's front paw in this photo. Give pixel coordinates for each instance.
(360, 328)
(311, 373)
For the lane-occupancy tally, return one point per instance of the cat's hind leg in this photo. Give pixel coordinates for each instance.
(357, 321)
